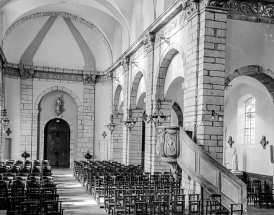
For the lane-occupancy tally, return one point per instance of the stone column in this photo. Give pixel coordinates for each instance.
(135, 140)
(206, 77)
(116, 146)
(28, 139)
(85, 140)
(149, 40)
(125, 64)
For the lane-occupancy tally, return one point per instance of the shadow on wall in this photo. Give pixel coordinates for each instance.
(244, 157)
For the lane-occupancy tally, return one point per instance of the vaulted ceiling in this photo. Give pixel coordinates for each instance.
(73, 34)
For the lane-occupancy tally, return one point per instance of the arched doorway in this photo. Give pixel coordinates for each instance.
(57, 143)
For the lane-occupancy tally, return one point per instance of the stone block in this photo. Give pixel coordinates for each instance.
(220, 17)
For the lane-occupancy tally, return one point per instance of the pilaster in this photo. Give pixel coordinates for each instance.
(28, 138)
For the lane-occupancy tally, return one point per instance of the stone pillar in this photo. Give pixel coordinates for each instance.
(135, 140)
(85, 140)
(205, 77)
(125, 64)
(211, 81)
(116, 146)
(28, 139)
(149, 40)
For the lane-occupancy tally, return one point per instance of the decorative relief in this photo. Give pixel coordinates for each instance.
(259, 8)
(177, 22)
(12, 72)
(59, 76)
(125, 63)
(167, 145)
(26, 73)
(148, 41)
(103, 79)
(90, 79)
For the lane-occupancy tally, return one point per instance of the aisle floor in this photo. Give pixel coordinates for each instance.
(74, 197)
(77, 201)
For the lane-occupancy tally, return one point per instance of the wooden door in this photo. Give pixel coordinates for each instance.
(57, 143)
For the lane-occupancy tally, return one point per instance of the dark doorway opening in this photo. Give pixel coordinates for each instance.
(57, 143)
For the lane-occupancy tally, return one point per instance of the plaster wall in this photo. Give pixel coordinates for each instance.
(249, 43)
(136, 21)
(21, 37)
(47, 110)
(12, 95)
(59, 48)
(252, 157)
(117, 42)
(96, 45)
(102, 106)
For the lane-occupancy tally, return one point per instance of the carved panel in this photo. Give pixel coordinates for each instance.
(90, 79)
(59, 76)
(259, 8)
(26, 73)
(148, 41)
(168, 143)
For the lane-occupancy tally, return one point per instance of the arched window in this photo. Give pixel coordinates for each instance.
(250, 120)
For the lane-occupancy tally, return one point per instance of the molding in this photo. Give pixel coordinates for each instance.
(258, 8)
(26, 73)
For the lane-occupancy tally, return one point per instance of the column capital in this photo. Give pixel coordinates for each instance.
(26, 73)
(90, 79)
(125, 63)
(148, 41)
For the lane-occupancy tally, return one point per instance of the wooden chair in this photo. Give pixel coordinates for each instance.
(178, 207)
(31, 208)
(141, 208)
(194, 204)
(53, 208)
(119, 201)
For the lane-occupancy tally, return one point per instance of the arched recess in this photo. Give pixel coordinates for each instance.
(116, 99)
(242, 84)
(265, 76)
(179, 113)
(71, 136)
(79, 113)
(134, 87)
(161, 72)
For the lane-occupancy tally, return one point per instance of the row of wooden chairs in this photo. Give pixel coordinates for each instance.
(122, 189)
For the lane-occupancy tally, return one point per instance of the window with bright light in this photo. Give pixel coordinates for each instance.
(250, 120)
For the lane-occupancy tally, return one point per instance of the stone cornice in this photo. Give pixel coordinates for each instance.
(27, 73)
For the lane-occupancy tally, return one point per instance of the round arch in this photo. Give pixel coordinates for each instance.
(164, 63)
(134, 86)
(116, 97)
(179, 113)
(71, 136)
(265, 76)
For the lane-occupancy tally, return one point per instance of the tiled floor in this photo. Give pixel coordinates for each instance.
(77, 201)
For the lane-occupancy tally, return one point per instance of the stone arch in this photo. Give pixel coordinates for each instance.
(71, 136)
(79, 112)
(118, 90)
(265, 76)
(164, 62)
(63, 89)
(179, 113)
(134, 87)
(65, 15)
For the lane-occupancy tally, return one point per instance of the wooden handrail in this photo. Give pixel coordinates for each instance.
(200, 166)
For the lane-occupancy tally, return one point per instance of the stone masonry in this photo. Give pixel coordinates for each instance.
(28, 138)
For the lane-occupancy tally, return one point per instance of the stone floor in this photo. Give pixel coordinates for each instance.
(77, 201)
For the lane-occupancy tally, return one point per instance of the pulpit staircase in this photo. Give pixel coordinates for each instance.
(176, 147)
